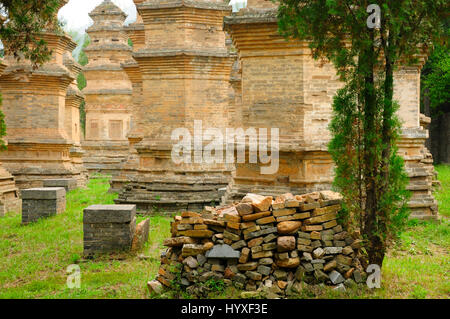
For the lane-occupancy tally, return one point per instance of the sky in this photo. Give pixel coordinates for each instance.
(75, 13)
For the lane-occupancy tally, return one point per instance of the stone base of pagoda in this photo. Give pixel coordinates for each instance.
(9, 193)
(102, 157)
(299, 172)
(128, 170)
(420, 169)
(161, 186)
(31, 163)
(77, 154)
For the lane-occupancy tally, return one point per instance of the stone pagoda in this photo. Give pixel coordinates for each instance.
(34, 107)
(281, 86)
(108, 91)
(9, 193)
(418, 159)
(184, 68)
(136, 33)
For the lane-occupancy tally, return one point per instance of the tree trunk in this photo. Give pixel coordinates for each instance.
(370, 230)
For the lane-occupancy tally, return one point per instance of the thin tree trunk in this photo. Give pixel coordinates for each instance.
(374, 245)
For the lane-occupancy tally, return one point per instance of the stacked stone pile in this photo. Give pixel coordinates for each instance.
(262, 243)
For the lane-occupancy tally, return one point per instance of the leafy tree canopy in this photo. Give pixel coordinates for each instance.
(20, 24)
(437, 77)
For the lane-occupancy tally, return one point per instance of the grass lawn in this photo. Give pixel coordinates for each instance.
(34, 258)
(443, 195)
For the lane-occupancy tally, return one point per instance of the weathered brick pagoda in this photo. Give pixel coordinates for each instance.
(418, 160)
(108, 91)
(128, 170)
(9, 193)
(185, 68)
(34, 107)
(280, 86)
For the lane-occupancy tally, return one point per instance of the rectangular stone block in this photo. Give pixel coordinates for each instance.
(42, 203)
(111, 228)
(102, 214)
(321, 218)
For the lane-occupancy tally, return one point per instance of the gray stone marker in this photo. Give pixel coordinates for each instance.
(68, 183)
(223, 252)
(42, 202)
(108, 228)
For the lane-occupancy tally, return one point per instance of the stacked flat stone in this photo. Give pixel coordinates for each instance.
(262, 243)
(42, 203)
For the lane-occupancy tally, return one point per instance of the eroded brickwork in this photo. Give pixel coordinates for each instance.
(184, 68)
(281, 87)
(129, 167)
(34, 108)
(9, 193)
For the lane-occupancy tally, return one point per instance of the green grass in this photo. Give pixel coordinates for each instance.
(443, 195)
(34, 258)
(418, 264)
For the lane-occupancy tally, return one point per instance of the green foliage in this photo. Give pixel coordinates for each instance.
(365, 128)
(81, 57)
(81, 81)
(347, 149)
(346, 129)
(436, 77)
(83, 117)
(130, 42)
(215, 286)
(443, 195)
(24, 21)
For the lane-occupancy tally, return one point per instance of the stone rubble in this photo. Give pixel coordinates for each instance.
(252, 246)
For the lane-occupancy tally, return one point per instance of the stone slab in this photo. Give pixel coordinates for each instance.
(43, 193)
(223, 252)
(102, 214)
(68, 183)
